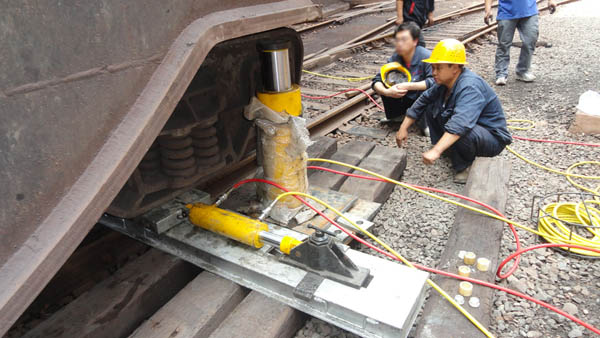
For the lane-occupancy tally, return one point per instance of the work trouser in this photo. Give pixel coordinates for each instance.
(396, 108)
(529, 31)
(478, 142)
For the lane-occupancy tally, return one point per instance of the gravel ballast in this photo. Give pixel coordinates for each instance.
(417, 226)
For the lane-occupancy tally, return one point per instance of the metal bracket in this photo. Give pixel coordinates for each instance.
(322, 256)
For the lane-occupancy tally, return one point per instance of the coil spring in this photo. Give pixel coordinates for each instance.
(206, 146)
(177, 155)
(150, 164)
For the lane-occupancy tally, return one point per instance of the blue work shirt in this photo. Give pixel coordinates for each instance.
(471, 102)
(419, 71)
(516, 9)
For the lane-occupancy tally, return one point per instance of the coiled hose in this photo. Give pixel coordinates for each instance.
(555, 229)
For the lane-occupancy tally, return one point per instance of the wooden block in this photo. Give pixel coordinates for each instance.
(323, 147)
(359, 130)
(488, 182)
(585, 123)
(117, 305)
(340, 201)
(196, 311)
(387, 161)
(352, 153)
(258, 316)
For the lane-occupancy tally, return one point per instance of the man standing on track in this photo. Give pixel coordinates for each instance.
(417, 11)
(463, 112)
(523, 16)
(398, 98)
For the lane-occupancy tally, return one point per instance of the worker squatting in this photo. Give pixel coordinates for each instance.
(452, 105)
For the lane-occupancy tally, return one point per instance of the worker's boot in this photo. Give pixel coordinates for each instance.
(461, 177)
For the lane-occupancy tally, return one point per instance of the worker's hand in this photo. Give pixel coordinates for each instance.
(396, 91)
(401, 136)
(430, 156)
(552, 6)
(399, 20)
(488, 17)
(430, 19)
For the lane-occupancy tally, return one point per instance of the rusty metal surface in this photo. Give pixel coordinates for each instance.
(207, 134)
(85, 88)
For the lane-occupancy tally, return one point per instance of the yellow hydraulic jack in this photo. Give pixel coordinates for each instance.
(238, 227)
(319, 254)
(282, 151)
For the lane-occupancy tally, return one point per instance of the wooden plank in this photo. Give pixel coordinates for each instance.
(387, 161)
(316, 105)
(354, 73)
(86, 267)
(196, 311)
(117, 305)
(328, 81)
(323, 147)
(488, 182)
(315, 92)
(371, 132)
(352, 153)
(260, 317)
(340, 201)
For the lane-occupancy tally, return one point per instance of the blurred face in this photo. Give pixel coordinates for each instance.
(445, 74)
(405, 44)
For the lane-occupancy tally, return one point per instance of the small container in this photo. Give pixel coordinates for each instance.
(464, 271)
(474, 302)
(465, 289)
(483, 264)
(459, 299)
(470, 258)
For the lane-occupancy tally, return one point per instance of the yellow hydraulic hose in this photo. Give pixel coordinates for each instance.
(393, 252)
(460, 204)
(554, 230)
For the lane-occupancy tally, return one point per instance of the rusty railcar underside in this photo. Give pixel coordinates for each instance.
(117, 99)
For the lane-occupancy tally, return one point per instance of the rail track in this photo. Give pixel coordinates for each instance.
(145, 289)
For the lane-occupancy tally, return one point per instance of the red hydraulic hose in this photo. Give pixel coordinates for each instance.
(512, 269)
(443, 273)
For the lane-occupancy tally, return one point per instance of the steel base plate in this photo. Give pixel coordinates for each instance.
(387, 307)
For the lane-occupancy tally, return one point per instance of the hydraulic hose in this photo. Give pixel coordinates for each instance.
(398, 257)
(444, 273)
(512, 269)
(553, 229)
(394, 255)
(414, 188)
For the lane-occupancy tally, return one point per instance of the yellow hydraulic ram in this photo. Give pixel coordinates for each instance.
(238, 227)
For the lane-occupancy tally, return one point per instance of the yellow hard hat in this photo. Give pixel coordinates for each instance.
(393, 73)
(448, 51)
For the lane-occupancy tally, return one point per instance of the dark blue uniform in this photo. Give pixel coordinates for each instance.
(419, 71)
(472, 111)
(417, 10)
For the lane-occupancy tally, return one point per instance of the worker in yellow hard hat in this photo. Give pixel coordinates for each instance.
(404, 77)
(463, 112)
